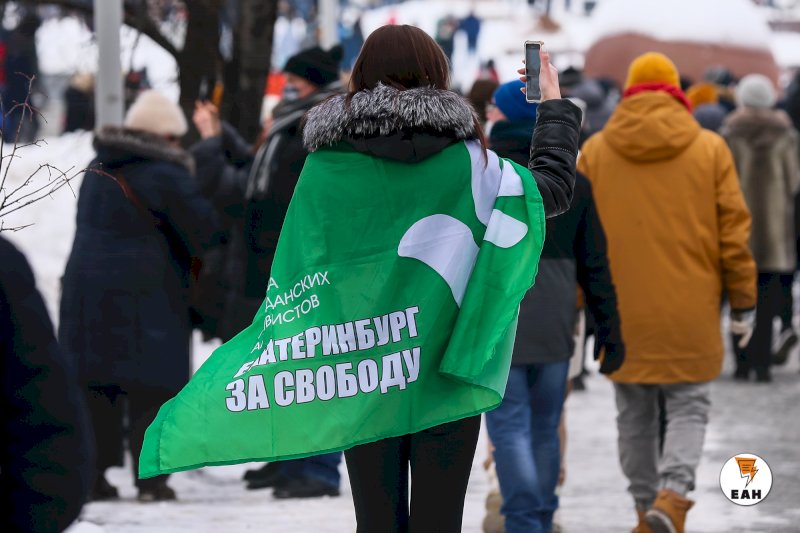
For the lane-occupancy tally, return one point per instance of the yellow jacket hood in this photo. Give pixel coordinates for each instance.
(651, 126)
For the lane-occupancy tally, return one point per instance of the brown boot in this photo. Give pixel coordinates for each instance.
(642, 526)
(668, 514)
(493, 522)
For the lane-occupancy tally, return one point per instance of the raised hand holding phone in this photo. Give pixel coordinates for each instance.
(548, 77)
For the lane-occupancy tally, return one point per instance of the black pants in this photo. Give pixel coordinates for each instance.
(117, 414)
(440, 460)
(774, 300)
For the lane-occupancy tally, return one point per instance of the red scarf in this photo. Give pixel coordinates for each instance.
(659, 87)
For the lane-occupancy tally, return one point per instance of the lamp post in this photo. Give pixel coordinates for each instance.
(328, 30)
(109, 101)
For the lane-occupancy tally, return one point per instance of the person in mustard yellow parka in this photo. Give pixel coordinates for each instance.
(678, 228)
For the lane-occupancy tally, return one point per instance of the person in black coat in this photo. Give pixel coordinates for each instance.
(251, 187)
(252, 190)
(525, 426)
(124, 311)
(21, 66)
(79, 102)
(791, 101)
(46, 446)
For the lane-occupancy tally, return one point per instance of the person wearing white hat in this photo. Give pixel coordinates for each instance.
(154, 113)
(124, 315)
(764, 144)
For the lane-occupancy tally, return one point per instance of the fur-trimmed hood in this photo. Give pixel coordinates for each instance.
(116, 146)
(385, 112)
(761, 127)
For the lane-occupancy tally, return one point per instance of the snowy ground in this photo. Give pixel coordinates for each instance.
(753, 418)
(760, 419)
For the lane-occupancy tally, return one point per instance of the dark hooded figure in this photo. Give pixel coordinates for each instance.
(598, 107)
(791, 102)
(46, 448)
(124, 310)
(21, 70)
(252, 188)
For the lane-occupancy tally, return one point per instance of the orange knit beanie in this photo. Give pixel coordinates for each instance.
(702, 93)
(653, 67)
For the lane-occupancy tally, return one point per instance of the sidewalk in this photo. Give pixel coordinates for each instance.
(745, 418)
(760, 419)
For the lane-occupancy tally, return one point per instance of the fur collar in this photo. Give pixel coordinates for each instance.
(761, 127)
(386, 110)
(123, 143)
(746, 118)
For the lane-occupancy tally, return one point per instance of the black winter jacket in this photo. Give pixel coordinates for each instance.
(46, 442)
(124, 312)
(251, 190)
(574, 254)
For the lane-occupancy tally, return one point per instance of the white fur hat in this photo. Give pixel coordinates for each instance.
(155, 113)
(756, 90)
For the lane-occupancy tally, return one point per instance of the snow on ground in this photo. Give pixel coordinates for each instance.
(745, 418)
(48, 241)
(760, 419)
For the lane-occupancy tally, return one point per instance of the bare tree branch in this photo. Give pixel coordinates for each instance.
(61, 181)
(14, 229)
(23, 107)
(29, 191)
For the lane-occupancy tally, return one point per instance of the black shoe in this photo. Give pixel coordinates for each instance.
(763, 375)
(741, 374)
(274, 479)
(305, 488)
(267, 471)
(783, 346)
(103, 490)
(156, 493)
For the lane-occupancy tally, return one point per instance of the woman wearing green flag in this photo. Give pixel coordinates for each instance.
(395, 63)
(391, 304)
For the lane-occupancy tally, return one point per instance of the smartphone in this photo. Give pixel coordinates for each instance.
(204, 94)
(533, 65)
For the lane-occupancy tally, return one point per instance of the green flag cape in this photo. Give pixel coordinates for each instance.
(391, 309)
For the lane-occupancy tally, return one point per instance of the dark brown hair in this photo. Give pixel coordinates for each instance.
(403, 57)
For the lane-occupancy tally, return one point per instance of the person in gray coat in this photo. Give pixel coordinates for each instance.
(764, 144)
